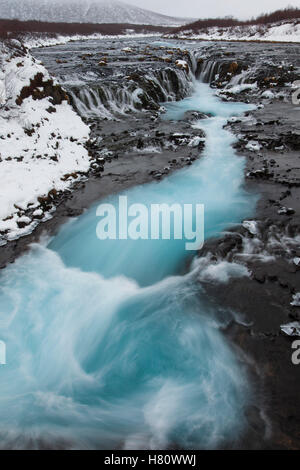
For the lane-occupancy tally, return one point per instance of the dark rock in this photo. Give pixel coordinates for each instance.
(193, 116)
(55, 92)
(51, 109)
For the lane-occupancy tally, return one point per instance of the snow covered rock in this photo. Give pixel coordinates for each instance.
(42, 140)
(251, 226)
(286, 211)
(182, 64)
(291, 329)
(268, 94)
(253, 146)
(296, 300)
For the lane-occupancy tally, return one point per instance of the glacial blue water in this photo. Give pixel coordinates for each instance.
(215, 181)
(108, 346)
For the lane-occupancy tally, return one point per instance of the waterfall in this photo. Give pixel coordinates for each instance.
(137, 92)
(241, 78)
(107, 345)
(88, 103)
(114, 343)
(209, 70)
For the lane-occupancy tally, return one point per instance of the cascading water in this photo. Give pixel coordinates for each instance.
(111, 100)
(209, 70)
(107, 345)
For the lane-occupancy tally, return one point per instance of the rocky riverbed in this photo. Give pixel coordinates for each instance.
(268, 245)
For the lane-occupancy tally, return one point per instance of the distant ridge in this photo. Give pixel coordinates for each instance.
(79, 11)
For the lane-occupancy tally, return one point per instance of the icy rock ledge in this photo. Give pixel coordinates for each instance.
(291, 329)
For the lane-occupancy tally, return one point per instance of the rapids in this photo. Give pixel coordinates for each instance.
(113, 344)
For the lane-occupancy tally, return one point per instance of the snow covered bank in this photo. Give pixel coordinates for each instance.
(42, 149)
(284, 31)
(33, 40)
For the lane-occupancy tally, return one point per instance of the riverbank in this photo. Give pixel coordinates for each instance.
(269, 246)
(275, 31)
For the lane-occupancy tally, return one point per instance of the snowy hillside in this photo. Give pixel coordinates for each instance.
(283, 31)
(78, 11)
(43, 141)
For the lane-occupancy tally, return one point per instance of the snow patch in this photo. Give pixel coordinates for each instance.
(283, 31)
(253, 146)
(291, 329)
(268, 94)
(195, 141)
(240, 88)
(296, 300)
(251, 226)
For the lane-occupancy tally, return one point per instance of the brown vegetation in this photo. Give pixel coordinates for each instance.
(289, 13)
(12, 28)
(40, 88)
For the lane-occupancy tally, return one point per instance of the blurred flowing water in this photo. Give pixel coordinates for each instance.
(108, 344)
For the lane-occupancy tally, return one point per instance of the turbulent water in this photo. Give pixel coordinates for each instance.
(108, 344)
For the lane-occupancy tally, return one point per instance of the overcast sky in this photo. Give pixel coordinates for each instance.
(213, 8)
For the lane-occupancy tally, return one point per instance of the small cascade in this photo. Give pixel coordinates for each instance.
(240, 79)
(223, 71)
(138, 92)
(193, 61)
(209, 70)
(104, 101)
(173, 84)
(88, 104)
